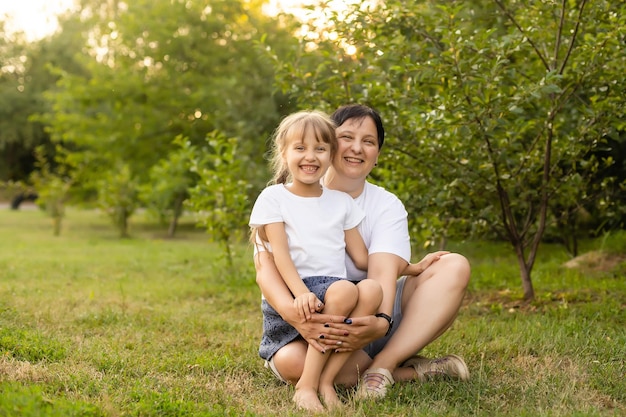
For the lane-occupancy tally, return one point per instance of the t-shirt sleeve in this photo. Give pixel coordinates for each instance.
(266, 209)
(390, 231)
(354, 214)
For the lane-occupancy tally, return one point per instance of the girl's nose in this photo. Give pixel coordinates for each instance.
(310, 155)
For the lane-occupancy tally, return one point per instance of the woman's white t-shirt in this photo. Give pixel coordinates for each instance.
(315, 227)
(385, 228)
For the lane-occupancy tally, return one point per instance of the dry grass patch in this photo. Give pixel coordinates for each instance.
(596, 261)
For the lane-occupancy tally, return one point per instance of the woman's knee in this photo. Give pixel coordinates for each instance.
(289, 361)
(457, 267)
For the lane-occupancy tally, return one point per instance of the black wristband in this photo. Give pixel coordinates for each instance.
(389, 320)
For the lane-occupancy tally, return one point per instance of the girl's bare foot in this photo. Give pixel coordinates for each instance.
(307, 399)
(329, 395)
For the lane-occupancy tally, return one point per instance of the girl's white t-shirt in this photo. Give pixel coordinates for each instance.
(314, 225)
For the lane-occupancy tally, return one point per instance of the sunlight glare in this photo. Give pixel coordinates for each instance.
(314, 17)
(36, 18)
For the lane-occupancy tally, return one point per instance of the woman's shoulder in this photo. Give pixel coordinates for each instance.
(335, 195)
(377, 201)
(378, 193)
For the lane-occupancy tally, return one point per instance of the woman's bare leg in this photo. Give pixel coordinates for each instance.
(430, 303)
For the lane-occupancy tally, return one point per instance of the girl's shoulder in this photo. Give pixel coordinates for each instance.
(273, 189)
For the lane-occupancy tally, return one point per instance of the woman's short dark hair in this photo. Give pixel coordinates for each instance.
(360, 111)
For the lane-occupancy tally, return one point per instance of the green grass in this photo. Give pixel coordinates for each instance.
(91, 325)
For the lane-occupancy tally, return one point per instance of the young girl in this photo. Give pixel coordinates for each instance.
(308, 229)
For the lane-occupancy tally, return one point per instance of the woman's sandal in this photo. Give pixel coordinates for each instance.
(374, 384)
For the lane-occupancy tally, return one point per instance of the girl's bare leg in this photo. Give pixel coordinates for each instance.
(370, 295)
(341, 298)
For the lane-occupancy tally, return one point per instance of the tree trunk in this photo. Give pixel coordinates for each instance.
(525, 268)
(123, 222)
(171, 230)
(56, 221)
(178, 210)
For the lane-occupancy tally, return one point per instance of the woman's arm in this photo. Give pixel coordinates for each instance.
(356, 248)
(384, 268)
(280, 298)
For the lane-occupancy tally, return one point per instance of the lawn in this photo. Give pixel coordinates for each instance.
(94, 325)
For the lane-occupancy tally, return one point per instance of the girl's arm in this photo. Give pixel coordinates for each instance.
(305, 301)
(356, 248)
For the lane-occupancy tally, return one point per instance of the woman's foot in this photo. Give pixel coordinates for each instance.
(374, 384)
(446, 367)
(329, 396)
(307, 399)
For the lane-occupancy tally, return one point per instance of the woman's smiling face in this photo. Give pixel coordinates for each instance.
(358, 148)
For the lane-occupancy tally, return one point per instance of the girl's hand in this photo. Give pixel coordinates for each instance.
(428, 260)
(306, 304)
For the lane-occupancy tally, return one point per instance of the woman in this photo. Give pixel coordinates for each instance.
(415, 310)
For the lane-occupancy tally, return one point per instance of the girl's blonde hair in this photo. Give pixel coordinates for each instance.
(294, 127)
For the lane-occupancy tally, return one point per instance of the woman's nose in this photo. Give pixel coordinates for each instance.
(356, 146)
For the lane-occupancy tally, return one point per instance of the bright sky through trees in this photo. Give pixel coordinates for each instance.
(37, 18)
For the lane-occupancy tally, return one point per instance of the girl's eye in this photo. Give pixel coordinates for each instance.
(321, 148)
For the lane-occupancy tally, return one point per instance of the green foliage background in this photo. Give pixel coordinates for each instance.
(504, 119)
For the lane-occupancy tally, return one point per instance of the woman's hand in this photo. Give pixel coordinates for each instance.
(316, 329)
(354, 333)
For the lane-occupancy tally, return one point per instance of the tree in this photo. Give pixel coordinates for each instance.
(117, 196)
(162, 69)
(220, 197)
(52, 189)
(18, 98)
(24, 77)
(488, 109)
(168, 188)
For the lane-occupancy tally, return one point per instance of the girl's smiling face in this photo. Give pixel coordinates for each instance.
(307, 160)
